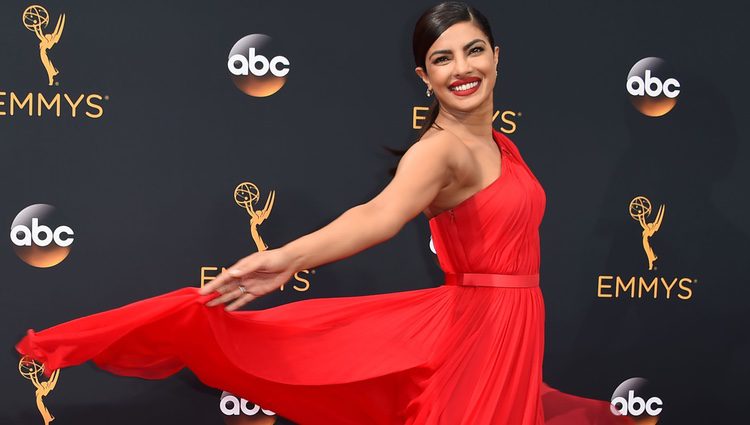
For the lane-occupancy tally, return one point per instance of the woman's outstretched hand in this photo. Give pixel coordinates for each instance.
(260, 273)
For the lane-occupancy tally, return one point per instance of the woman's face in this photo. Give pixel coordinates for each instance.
(461, 68)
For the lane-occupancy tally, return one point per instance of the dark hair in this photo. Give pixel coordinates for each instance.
(433, 22)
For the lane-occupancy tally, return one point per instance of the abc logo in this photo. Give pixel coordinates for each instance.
(653, 91)
(237, 412)
(39, 236)
(253, 69)
(633, 398)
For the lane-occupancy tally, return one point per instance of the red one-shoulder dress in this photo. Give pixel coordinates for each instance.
(467, 352)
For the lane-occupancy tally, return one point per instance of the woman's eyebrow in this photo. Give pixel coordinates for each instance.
(469, 44)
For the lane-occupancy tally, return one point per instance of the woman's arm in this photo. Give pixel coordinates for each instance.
(422, 172)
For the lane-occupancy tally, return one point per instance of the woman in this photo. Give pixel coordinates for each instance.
(466, 352)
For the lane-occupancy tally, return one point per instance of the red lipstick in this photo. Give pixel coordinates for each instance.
(472, 84)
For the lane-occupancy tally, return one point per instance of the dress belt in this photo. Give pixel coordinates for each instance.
(493, 279)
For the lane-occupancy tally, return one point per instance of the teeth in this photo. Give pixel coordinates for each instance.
(463, 87)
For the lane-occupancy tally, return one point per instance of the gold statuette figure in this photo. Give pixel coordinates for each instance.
(640, 207)
(31, 370)
(245, 195)
(34, 19)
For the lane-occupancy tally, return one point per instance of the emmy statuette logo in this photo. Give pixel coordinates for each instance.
(649, 286)
(50, 102)
(246, 196)
(35, 19)
(640, 207)
(31, 370)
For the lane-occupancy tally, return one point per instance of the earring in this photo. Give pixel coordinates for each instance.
(429, 92)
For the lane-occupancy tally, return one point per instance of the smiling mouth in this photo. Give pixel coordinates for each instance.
(465, 89)
(466, 86)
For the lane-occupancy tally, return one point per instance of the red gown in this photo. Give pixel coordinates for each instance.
(467, 352)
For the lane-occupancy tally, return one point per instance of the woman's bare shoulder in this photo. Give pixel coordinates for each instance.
(459, 156)
(441, 142)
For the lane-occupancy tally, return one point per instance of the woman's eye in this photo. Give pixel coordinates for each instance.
(441, 59)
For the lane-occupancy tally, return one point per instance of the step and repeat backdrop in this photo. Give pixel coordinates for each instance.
(142, 140)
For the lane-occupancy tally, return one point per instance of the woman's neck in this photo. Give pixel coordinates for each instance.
(472, 125)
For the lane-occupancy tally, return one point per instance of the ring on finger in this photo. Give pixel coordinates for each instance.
(242, 289)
